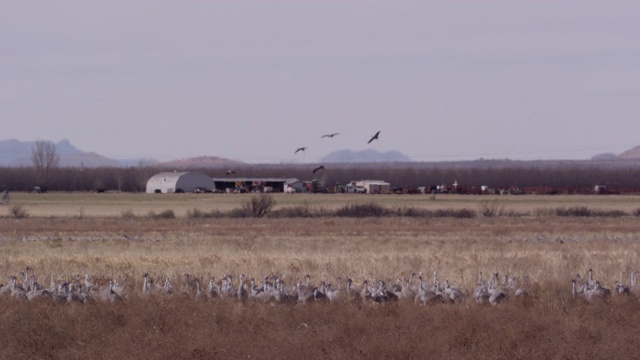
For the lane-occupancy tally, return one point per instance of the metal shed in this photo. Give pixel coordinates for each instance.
(375, 186)
(253, 184)
(170, 182)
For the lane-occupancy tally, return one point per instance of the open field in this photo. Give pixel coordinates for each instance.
(113, 204)
(548, 250)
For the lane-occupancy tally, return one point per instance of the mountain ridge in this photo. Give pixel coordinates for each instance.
(368, 156)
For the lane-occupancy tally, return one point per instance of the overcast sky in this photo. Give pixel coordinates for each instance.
(254, 80)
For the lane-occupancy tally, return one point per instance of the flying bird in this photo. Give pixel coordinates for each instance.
(374, 137)
(329, 135)
(321, 167)
(229, 172)
(300, 149)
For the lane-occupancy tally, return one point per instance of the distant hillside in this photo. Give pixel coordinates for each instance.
(199, 162)
(631, 154)
(350, 156)
(605, 156)
(14, 152)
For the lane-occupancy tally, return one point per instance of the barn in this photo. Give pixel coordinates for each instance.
(256, 184)
(170, 182)
(374, 186)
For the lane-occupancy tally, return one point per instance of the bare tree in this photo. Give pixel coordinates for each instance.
(45, 158)
(118, 174)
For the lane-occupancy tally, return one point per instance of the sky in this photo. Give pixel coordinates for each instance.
(255, 80)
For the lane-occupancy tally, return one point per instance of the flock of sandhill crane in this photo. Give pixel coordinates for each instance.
(272, 289)
(375, 136)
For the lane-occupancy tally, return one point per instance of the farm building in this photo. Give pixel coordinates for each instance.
(295, 186)
(373, 186)
(170, 182)
(257, 184)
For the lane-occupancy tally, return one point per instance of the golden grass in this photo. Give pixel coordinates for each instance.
(549, 250)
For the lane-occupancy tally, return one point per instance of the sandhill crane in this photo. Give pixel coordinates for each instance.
(167, 287)
(374, 137)
(17, 291)
(319, 295)
(453, 292)
(397, 287)
(334, 294)
(214, 289)
(6, 289)
(87, 284)
(321, 167)
(496, 294)
(278, 293)
(38, 294)
(186, 283)
(590, 281)
(113, 296)
(329, 135)
(405, 290)
(199, 292)
(26, 283)
(481, 294)
(352, 295)
(241, 293)
(303, 149)
(147, 284)
(52, 284)
(70, 294)
(511, 285)
(254, 289)
(426, 296)
(622, 289)
(411, 286)
(120, 287)
(598, 292)
(305, 292)
(383, 294)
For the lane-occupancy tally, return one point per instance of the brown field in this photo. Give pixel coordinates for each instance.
(86, 233)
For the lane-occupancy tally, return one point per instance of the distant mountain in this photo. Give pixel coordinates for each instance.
(605, 156)
(200, 162)
(370, 155)
(631, 153)
(14, 152)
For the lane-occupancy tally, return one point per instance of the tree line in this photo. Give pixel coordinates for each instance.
(134, 179)
(569, 176)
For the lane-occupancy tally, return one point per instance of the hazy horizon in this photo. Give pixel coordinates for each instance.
(253, 81)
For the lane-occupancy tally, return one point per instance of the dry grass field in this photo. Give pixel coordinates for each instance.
(68, 234)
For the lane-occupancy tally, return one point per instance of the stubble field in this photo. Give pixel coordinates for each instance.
(68, 234)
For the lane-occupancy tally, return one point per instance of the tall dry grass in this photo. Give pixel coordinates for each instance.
(548, 250)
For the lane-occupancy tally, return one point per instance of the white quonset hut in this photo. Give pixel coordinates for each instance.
(170, 182)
